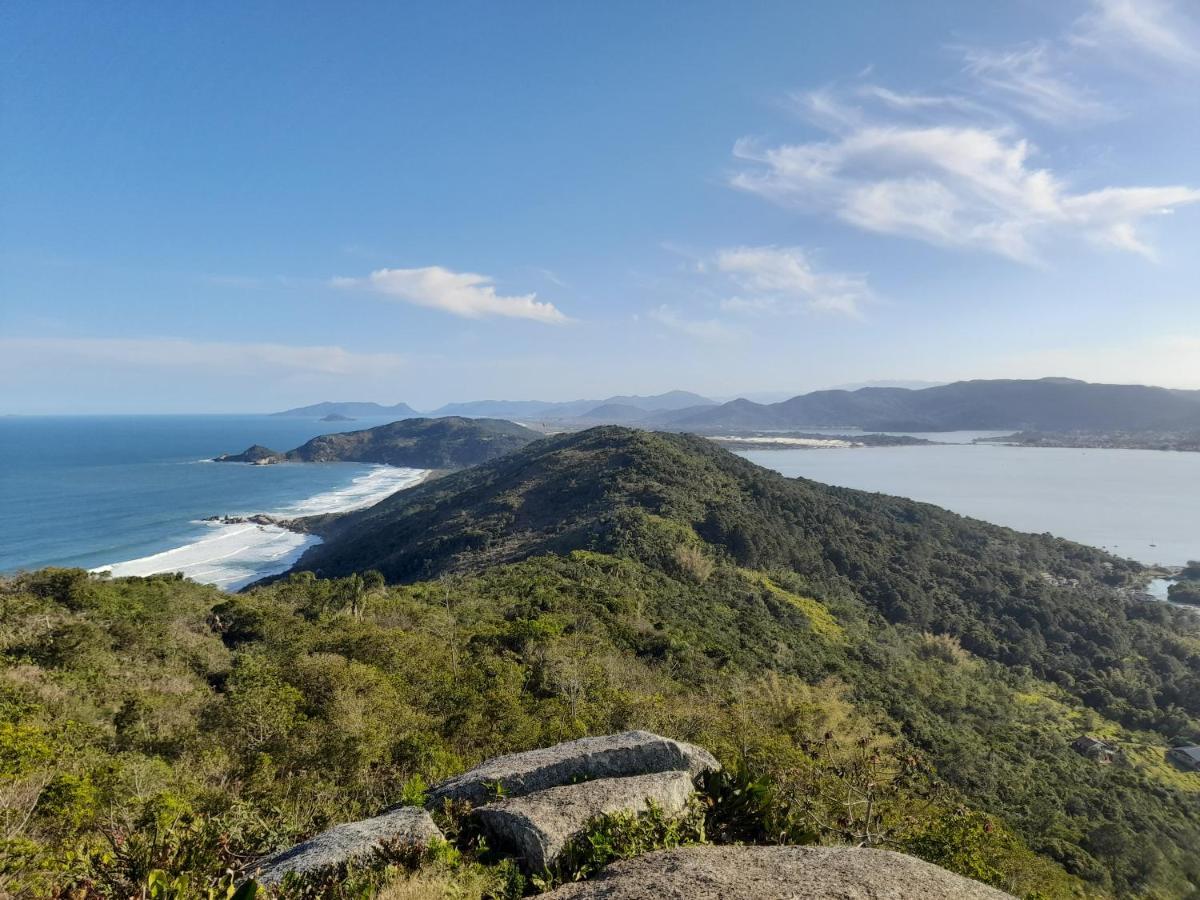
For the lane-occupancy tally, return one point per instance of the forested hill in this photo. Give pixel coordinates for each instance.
(1046, 404)
(447, 443)
(592, 489)
(1020, 599)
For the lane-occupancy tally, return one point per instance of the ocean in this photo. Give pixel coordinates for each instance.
(132, 492)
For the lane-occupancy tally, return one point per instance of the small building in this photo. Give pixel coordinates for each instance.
(1188, 757)
(1095, 749)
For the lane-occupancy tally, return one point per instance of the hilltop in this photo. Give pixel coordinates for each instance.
(587, 489)
(447, 443)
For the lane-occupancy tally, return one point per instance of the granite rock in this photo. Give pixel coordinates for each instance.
(540, 826)
(609, 756)
(775, 873)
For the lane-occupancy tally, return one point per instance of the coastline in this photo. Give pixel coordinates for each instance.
(239, 549)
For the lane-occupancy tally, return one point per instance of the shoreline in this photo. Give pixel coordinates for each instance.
(241, 549)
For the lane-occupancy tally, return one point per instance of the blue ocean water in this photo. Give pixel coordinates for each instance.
(91, 491)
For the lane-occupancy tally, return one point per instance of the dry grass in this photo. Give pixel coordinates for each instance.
(694, 563)
(462, 885)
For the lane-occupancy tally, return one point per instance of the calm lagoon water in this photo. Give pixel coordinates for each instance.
(92, 491)
(1142, 504)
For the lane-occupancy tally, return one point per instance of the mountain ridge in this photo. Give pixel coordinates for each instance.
(1047, 404)
(1051, 404)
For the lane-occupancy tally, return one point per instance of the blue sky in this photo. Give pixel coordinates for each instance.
(245, 206)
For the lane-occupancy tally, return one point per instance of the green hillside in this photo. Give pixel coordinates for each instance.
(827, 644)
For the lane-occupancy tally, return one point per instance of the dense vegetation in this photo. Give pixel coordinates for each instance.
(826, 644)
(1185, 592)
(448, 443)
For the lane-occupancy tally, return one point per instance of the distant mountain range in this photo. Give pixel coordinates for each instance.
(1047, 404)
(576, 409)
(350, 409)
(511, 409)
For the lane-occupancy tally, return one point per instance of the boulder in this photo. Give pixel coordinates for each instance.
(775, 873)
(540, 826)
(405, 825)
(610, 756)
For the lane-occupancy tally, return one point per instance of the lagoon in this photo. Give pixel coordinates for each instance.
(1141, 504)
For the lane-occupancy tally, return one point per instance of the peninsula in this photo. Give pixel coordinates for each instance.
(449, 443)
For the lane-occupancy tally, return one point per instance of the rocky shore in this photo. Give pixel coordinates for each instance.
(296, 525)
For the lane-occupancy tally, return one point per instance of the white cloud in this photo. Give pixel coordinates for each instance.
(1152, 28)
(959, 185)
(783, 279)
(702, 329)
(227, 358)
(1026, 79)
(459, 293)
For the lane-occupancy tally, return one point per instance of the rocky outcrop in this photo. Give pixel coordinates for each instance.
(405, 825)
(255, 454)
(775, 873)
(611, 756)
(555, 794)
(540, 826)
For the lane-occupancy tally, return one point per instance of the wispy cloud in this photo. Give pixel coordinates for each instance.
(913, 103)
(713, 330)
(957, 185)
(459, 293)
(1028, 79)
(1156, 29)
(783, 279)
(180, 354)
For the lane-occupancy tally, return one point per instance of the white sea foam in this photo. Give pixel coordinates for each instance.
(231, 556)
(365, 490)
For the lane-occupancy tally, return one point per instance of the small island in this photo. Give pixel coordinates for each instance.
(255, 455)
(336, 417)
